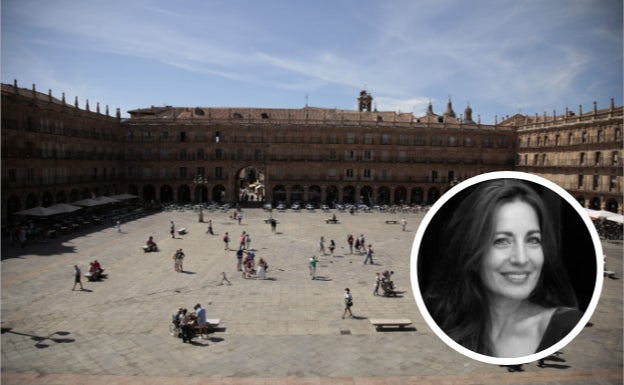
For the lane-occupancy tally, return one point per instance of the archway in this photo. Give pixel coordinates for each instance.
(279, 195)
(383, 196)
(184, 194)
(581, 200)
(250, 184)
(31, 201)
(314, 195)
(417, 196)
(400, 196)
(348, 195)
(166, 193)
(13, 205)
(218, 194)
(366, 195)
(149, 193)
(612, 206)
(331, 195)
(46, 199)
(432, 195)
(61, 197)
(201, 194)
(296, 194)
(594, 203)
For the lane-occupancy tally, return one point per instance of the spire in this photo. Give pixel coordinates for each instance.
(468, 115)
(76, 102)
(429, 109)
(449, 113)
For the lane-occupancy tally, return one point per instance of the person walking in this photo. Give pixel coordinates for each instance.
(77, 278)
(273, 225)
(239, 259)
(377, 283)
(200, 315)
(332, 247)
(247, 241)
(172, 230)
(241, 240)
(403, 224)
(226, 241)
(312, 267)
(209, 231)
(240, 218)
(350, 242)
(322, 245)
(348, 298)
(178, 257)
(369, 255)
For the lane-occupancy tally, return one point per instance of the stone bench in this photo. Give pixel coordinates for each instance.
(380, 323)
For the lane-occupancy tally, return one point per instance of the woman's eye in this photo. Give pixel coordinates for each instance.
(534, 241)
(502, 242)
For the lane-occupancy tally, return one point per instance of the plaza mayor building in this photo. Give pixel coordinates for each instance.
(55, 151)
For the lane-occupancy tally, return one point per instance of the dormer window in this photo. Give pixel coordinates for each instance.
(264, 115)
(237, 115)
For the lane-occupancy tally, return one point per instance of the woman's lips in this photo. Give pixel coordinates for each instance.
(516, 276)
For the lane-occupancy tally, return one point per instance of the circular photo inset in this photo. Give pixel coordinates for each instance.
(506, 268)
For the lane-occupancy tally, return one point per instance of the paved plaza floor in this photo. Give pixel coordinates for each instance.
(286, 329)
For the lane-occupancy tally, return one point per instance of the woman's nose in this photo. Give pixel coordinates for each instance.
(518, 253)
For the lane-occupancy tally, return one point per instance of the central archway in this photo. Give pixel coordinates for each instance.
(250, 188)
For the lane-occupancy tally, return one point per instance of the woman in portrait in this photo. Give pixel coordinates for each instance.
(499, 287)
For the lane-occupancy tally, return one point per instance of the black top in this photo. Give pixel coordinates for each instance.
(561, 323)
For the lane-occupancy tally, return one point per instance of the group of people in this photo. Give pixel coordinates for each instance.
(189, 321)
(95, 273)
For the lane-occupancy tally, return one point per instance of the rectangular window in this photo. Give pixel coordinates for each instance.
(200, 154)
(368, 139)
(332, 139)
(12, 175)
(182, 136)
(580, 181)
(218, 154)
(147, 135)
(183, 153)
(368, 155)
(147, 172)
(349, 173)
(434, 176)
(332, 154)
(367, 173)
(219, 172)
(201, 171)
(350, 138)
(402, 156)
(385, 139)
(349, 155)
(164, 172)
(183, 172)
(596, 182)
(165, 135)
(403, 139)
(612, 182)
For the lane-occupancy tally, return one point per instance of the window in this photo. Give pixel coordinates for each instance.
(350, 138)
(218, 172)
(535, 159)
(452, 141)
(546, 140)
(165, 135)
(434, 176)
(468, 141)
(402, 156)
(584, 137)
(596, 182)
(264, 115)
(349, 173)
(557, 139)
(129, 135)
(570, 136)
(12, 175)
(147, 135)
(147, 172)
(598, 158)
(612, 182)
(368, 155)
(200, 153)
(217, 136)
(182, 136)
(615, 157)
(183, 172)
(218, 154)
(350, 155)
(165, 172)
(618, 133)
(332, 139)
(582, 160)
(332, 154)
(201, 171)
(420, 140)
(600, 135)
(386, 139)
(529, 141)
(237, 115)
(367, 173)
(580, 181)
(183, 153)
(368, 139)
(403, 139)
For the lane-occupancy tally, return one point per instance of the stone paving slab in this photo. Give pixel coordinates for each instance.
(286, 329)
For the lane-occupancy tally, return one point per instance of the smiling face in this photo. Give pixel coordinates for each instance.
(512, 262)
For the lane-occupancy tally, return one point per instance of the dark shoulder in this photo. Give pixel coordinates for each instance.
(561, 324)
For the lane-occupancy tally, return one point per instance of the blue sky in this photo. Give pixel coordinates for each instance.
(500, 56)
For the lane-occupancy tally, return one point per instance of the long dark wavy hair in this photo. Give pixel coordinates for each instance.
(456, 297)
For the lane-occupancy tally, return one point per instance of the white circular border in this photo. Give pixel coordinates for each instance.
(506, 175)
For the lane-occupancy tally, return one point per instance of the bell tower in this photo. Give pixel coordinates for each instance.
(365, 102)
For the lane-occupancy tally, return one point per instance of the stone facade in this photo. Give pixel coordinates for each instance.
(57, 152)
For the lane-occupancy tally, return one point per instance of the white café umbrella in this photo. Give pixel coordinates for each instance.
(64, 208)
(38, 211)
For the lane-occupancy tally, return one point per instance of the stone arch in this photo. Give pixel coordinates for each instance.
(417, 196)
(166, 193)
(612, 205)
(314, 195)
(331, 195)
(383, 195)
(581, 200)
(61, 197)
(149, 193)
(47, 199)
(400, 195)
(594, 203)
(219, 194)
(296, 194)
(433, 194)
(184, 194)
(279, 194)
(32, 201)
(13, 205)
(366, 195)
(348, 194)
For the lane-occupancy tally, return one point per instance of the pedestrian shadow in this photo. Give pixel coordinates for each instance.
(556, 362)
(321, 278)
(39, 340)
(87, 290)
(188, 272)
